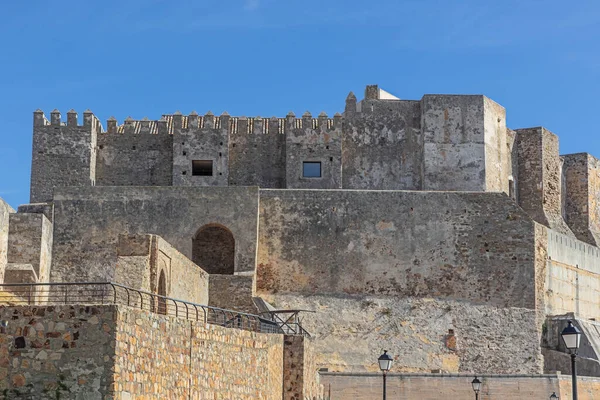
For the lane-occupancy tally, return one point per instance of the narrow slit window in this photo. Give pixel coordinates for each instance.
(311, 169)
(202, 168)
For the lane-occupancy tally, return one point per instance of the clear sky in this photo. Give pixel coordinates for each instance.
(539, 59)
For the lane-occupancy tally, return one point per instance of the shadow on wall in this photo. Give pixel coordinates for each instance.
(213, 249)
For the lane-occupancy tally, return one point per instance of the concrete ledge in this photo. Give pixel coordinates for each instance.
(20, 273)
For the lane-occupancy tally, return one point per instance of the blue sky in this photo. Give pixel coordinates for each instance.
(539, 59)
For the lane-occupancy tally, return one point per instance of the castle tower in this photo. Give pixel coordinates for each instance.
(63, 154)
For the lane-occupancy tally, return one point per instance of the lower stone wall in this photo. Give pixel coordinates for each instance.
(160, 357)
(62, 352)
(424, 334)
(116, 352)
(435, 386)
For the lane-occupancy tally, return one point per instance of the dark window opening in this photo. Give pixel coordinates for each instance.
(162, 291)
(213, 249)
(311, 169)
(202, 168)
(184, 153)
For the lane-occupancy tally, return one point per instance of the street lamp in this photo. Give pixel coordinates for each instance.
(385, 363)
(553, 396)
(572, 338)
(476, 383)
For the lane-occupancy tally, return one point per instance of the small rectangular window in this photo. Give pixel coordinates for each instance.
(202, 168)
(311, 169)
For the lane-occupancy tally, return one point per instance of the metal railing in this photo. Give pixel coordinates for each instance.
(99, 293)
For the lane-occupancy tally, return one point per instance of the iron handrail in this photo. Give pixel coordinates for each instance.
(50, 293)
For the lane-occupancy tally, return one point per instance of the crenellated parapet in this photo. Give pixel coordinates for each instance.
(63, 152)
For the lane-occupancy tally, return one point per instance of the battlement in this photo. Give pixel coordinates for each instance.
(89, 119)
(168, 123)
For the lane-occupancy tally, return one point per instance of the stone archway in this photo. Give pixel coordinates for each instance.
(213, 249)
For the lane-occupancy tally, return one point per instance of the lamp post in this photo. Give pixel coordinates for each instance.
(572, 338)
(476, 383)
(385, 363)
(553, 396)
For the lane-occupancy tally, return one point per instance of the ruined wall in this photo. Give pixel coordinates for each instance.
(51, 352)
(572, 274)
(423, 334)
(540, 177)
(200, 138)
(582, 209)
(29, 248)
(257, 152)
(467, 246)
(313, 140)
(89, 220)
(141, 258)
(382, 145)
(63, 155)
(134, 159)
(232, 292)
(437, 386)
(5, 211)
(184, 358)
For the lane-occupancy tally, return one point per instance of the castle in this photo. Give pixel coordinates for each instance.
(427, 227)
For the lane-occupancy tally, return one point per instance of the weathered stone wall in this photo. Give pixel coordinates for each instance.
(129, 159)
(106, 352)
(142, 258)
(63, 155)
(454, 154)
(88, 222)
(313, 140)
(423, 334)
(57, 352)
(462, 246)
(572, 276)
(29, 242)
(161, 357)
(300, 379)
(232, 292)
(498, 166)
(582, 208)
(257, 152)
(382, 146)
(5, 211)
(200, 138)
(438, 386)
(540, 172)
(38, 208)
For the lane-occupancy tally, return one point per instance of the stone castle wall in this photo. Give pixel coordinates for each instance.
(462, 246)
(93, 218)
(422, 334)
(143, 258)
(116, 352)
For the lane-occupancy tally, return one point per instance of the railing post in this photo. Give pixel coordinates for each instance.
(187, 312)
(114, 293)
(176, 308)
(66, 294)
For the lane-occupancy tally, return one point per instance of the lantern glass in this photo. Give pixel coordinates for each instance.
(476, 383)
(571, 336)
(385, 361)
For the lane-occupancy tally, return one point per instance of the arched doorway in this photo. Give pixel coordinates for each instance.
(162, 291)
(213, 249)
